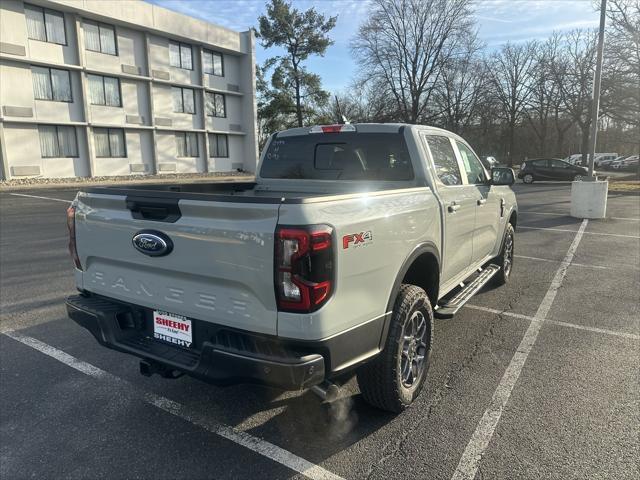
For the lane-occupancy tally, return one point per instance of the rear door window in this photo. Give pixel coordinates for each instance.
(338, 156)
(444, 160)
(539, 163)
(559, 164)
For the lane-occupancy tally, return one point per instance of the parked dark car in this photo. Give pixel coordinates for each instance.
(550, 169)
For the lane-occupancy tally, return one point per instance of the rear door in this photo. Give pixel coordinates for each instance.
(562, 170)
(488, 204)
(219, 270)
(542, 169)
(459, 204)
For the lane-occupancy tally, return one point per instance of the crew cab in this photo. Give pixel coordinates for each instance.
(334, 262)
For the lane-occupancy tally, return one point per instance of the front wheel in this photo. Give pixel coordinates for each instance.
(394, 379)
(505, 259)
(577, 178)
(528, 178)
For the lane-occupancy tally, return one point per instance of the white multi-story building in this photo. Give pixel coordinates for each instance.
(121, 87)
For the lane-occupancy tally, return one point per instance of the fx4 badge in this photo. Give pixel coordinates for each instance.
(356, 240)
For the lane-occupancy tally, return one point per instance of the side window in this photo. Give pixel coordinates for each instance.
(444, 160)
(539, 163)
(472, 166)
(559, 164)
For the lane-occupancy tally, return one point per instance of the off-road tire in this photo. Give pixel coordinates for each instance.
(502, 277)
(380, 380)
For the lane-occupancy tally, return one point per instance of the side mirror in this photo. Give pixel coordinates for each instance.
(502, 176)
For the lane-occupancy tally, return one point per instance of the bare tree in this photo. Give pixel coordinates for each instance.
(403, 45)
(573, 70)
(512, 76)
(622, 65)
(362, 104)
(544, 93)
(462, 82)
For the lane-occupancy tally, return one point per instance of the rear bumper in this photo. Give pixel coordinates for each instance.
(220, 356)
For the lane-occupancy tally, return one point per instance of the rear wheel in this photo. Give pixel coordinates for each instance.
(394, 379)
(505, 259)
(528, 178)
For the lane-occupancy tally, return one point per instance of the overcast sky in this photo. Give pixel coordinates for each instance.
(498, 21)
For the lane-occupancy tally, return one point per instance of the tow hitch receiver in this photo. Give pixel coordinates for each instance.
(148, 368)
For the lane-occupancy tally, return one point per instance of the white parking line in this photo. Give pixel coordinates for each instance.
(532, 212)
(573, 231)
(255, 444)
(472, 455)
(558, 261)
(604, 331)
(41, 198)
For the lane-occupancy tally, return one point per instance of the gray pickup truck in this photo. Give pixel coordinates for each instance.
(334, 262)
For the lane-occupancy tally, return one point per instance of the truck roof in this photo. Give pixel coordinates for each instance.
(366, 128)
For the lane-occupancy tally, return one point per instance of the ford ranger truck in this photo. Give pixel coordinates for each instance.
(334, 261)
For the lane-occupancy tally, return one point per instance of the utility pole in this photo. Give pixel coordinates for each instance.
(595, 105)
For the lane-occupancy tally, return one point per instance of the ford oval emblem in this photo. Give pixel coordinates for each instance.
(152, 243)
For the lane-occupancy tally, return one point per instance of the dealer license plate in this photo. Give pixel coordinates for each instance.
(172, 328)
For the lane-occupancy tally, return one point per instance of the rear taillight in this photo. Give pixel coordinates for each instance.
(304, 271)
(71, 225)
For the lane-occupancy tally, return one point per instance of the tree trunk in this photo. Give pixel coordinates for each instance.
(560, 141)
(512, 134)
(298, 103)
(584, 144)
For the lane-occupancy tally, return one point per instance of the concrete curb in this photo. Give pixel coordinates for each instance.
(613, 193)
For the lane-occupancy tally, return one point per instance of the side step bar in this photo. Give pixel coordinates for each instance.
(456, 302)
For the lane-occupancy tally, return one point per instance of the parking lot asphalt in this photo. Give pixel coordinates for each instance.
(569, 399)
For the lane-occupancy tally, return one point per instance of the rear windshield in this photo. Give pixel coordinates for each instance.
(338, 156)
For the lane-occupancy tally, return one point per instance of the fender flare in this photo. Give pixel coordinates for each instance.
(504, 230)
(420, 249)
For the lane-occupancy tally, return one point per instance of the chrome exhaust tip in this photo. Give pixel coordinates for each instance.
(327, 391)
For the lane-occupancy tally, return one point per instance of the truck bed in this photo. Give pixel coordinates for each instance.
(240, 192)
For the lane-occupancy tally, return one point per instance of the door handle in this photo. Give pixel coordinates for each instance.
(453, 207)
(482, 201)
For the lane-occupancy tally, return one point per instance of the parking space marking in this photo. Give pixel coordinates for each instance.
(532, 212)
(538, 259)
(604, 331)
(573, 231)
(472, 455)
(41, 198)
(255, 444)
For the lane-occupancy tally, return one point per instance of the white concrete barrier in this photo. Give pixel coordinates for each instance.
(589, 199)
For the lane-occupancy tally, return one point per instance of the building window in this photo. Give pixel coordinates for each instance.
(212, 63)
(218, 145)
(109, 142)
(216, 105)
(187, 144)
(180, 55)
(100, 37)
(104, 91)
(51, 84)
(58, 141)
(45, 25)
(184, 100)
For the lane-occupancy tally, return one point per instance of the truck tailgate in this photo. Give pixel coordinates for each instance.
(220, 269)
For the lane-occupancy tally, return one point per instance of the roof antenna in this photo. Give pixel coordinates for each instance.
(342, 120)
